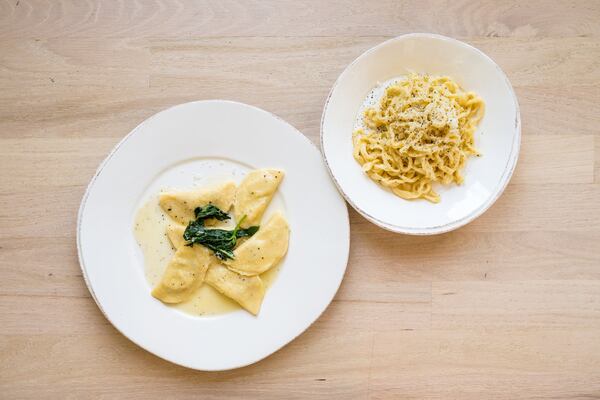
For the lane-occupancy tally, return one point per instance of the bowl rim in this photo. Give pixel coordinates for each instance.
(508, 169)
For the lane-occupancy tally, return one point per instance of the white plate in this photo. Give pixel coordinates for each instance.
(498, 137)
(172, 148)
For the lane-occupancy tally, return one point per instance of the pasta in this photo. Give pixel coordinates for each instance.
(234, 258)
(421, 133)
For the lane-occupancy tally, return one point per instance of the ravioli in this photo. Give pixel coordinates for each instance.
(180, 205)
(175, 235)
(263, 250)
(184, 274)
(247, 291)
(254, 195)
(237, 279)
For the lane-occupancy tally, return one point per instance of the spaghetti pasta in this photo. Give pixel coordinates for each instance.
(420, 133)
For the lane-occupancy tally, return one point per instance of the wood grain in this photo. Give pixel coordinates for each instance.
(506, 307)
(180, 19)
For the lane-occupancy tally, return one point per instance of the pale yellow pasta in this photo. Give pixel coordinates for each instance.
(420, 133)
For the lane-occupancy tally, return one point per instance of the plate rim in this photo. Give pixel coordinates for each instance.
(102, 165)
(506, 174)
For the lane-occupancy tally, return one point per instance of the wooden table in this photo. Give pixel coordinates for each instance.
(507, 307)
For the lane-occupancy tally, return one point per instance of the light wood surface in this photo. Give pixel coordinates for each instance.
(507, 307)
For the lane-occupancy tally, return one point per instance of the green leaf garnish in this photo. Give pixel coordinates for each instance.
(220, 241)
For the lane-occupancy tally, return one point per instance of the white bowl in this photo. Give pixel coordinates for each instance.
(498, 137)
(193, 143)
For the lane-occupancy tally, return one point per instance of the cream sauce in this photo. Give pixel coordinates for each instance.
(150, 228)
